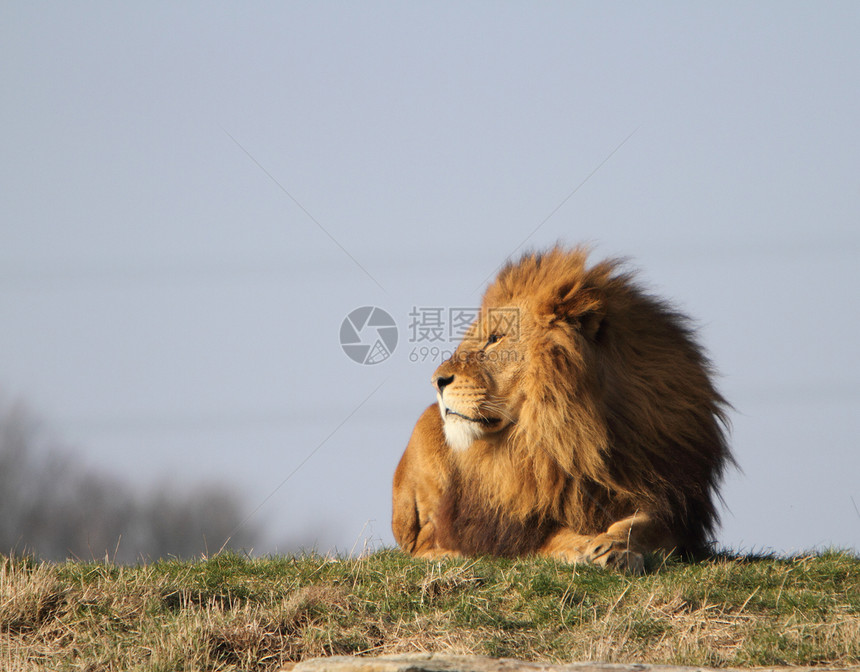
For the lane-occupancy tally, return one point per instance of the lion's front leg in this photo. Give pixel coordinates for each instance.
(421, 478)
(622, 546)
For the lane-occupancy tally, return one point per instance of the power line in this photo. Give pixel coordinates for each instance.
(64, 275)
(834, 393)
(222, 421)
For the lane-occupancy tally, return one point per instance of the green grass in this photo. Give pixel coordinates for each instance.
(233, 613)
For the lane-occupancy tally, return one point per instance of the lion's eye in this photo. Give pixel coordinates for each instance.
(494, 338)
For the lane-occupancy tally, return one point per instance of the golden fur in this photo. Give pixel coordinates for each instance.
(577, 419)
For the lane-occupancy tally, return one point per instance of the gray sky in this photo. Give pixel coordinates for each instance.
(194, 197)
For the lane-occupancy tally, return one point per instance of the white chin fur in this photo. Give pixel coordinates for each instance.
(460, 433)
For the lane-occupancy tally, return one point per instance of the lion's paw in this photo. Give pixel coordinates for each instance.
(438, 554)
(615, 554)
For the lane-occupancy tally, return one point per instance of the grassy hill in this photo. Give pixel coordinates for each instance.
(230, 612)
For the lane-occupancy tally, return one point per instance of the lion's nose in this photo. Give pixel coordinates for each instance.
(442, 382)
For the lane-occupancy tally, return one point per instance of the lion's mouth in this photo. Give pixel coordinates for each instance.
(487, 422)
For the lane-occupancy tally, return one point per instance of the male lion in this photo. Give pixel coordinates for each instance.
(577, 419)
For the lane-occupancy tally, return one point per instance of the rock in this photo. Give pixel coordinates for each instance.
(430, 662)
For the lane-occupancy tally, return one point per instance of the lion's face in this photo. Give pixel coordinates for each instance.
(477, 388)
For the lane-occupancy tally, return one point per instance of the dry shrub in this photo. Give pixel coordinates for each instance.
(30, 596)
(303, 605)
(248, 635)
(445, 583)
(32, 604)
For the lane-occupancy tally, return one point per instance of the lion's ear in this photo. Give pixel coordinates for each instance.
(591, 324)
(584, 309)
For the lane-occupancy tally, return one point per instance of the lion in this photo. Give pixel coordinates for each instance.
(577, 419)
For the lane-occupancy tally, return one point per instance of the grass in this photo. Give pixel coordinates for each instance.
(234, 613)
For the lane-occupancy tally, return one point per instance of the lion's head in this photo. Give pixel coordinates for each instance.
(577, 396)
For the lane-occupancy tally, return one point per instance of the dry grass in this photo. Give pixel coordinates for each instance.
(229, 613)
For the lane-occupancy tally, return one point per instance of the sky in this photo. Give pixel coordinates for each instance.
(194, 196)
